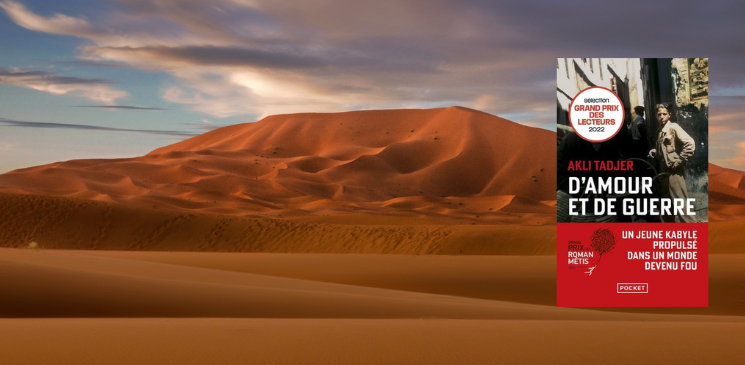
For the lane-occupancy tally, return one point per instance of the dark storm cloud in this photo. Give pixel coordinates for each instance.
(24, 124)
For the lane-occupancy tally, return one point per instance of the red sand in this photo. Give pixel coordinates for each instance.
(92, 307)
(363, 182)
(452, 162)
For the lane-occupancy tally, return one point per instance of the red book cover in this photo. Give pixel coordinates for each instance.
(632, 182)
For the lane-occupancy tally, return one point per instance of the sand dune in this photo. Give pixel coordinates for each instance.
(449, 180)
(87, 307)
(75, 223)
(435, 163)
(366, 341)
(306, 164)
(726, 194)
(56, 222)
(248, 285)
(456, 177)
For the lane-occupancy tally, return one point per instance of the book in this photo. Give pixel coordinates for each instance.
(632, 182)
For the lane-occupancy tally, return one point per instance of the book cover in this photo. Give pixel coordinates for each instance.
(632, 182)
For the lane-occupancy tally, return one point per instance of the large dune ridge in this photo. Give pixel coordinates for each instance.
(387, 181)
(451, 162)
(436, 181)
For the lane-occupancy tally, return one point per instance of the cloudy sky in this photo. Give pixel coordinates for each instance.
(105, 78)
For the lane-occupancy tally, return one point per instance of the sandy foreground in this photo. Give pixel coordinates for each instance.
(94, 307)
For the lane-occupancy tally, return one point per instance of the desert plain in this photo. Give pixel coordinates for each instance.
(371, 237)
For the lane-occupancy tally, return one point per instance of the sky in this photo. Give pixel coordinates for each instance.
(107, 79)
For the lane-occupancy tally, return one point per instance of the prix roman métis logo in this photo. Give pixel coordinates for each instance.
(602, 242)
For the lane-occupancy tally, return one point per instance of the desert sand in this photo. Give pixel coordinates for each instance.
(394, 237)
(88, 307)
(452, 163)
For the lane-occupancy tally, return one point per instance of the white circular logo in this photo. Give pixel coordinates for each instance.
(596, 114)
